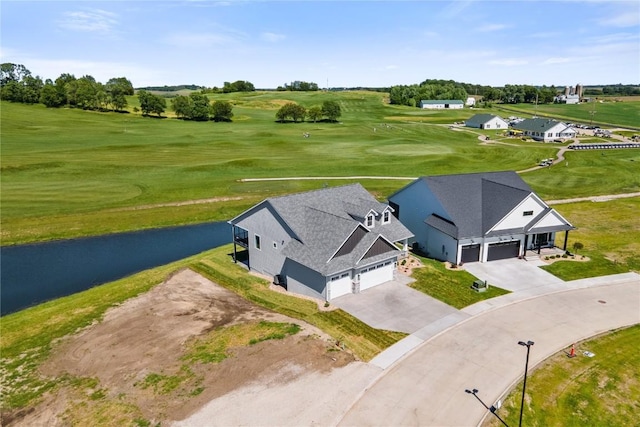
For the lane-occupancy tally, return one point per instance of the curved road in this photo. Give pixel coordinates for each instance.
(426, 388)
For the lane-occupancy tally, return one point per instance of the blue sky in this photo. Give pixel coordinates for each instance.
(344, 43)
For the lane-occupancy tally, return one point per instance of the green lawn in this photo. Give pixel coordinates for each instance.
(626, 113)
(70, 173)
(609, 233)
(450, 286)
(600, 391)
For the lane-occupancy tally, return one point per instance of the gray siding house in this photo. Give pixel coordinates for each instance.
(476, 217)
(324, 243)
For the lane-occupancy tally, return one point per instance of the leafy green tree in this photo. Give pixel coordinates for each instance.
(86, 92)
(200, 106)
(222, 111)
(331, 110)
(181, 105)
(10, 72)
(150, 103)
(12, 91)
(314, 113)
(50, 97)
(291, 111)
(117, 88)
(283, 112)
(32, 87)
(298, 112)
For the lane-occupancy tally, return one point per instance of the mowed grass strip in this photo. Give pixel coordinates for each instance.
(452, 287)
(603, 390)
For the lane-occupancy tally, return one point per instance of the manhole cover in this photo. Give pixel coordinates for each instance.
(601, 301)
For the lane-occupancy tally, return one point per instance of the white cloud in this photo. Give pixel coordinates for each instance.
(391, 67)
(545, 35)
(512, 62)
(550, 61)
(492, 27)
(629, 18)
(92, 20)
(199, 40)
(272, 37)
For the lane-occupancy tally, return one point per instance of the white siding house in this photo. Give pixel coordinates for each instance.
(545, 130)
(437, 104)
(486, 121)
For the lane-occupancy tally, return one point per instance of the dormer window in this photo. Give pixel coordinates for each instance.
(386, 217)
(369, 221)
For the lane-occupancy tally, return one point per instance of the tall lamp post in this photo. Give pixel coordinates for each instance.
(527, 344)
(491, 409)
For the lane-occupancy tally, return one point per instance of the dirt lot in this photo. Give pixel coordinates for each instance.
(108, 366)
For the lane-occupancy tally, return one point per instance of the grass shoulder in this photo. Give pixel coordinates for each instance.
(603, 390)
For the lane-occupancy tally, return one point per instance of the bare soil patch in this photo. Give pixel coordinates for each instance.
(111, 362)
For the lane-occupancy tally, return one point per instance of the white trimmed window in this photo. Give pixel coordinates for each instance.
(386, 217)
(370, 221)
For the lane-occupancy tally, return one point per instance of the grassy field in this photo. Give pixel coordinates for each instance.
(609, 232)
(622, 114)
(600, 391)
(70, 173)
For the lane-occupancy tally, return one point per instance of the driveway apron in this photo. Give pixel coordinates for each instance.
(512, 274)
(394, 306)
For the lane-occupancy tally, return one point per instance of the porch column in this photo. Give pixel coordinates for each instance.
(405, 246)
(233, 238)
(566, 237)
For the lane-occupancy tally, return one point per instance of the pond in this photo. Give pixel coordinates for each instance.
(34, 273)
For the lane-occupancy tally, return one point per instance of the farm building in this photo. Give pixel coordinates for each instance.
(545, 130)
(437, 104)
(486, 121)
(324, 243)
(476, 217)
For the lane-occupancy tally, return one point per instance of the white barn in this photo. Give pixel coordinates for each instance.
(440, 104)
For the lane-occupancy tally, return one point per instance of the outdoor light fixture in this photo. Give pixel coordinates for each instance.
(491, 409)
(527, 344)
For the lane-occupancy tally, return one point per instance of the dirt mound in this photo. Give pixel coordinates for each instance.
(136, 354)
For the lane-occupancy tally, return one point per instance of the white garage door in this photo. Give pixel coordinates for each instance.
(340, 285)
(376, 275)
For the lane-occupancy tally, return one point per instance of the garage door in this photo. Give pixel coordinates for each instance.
(503, 250)
(470, 253)
(375, 275)
(340, 285)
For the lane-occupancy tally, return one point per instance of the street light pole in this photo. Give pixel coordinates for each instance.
(491, 409)
(527, 344)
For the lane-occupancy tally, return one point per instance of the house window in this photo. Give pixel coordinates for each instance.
(527, 213)
(256, 241)
(370, 221)
(386, 217)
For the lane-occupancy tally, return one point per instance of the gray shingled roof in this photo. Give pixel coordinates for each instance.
(480, 119)
(537, 125)
(476, 201)
(324, 219)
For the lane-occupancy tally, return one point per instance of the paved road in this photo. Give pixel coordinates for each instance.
(427, 387)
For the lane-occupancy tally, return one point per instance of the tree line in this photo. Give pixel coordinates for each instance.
(17, 84)
(329, 111)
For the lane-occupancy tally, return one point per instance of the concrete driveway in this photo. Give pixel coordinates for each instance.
(513, 274)
(394, 306)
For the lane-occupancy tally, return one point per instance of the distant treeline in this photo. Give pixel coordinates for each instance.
(615, 90)
(170, 88)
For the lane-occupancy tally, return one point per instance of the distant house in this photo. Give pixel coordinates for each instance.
(486, 121)
(477, 217)
(567, 99)
(545, 129)
(437, 104)
(324, 243)
(470, 102)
